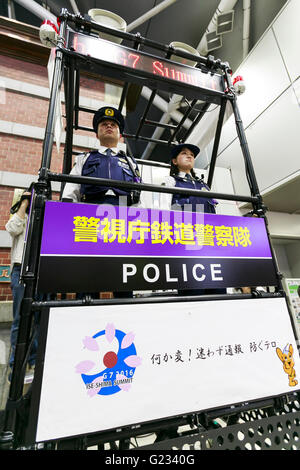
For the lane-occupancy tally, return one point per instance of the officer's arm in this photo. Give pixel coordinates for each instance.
(165, 199)
(72, 190)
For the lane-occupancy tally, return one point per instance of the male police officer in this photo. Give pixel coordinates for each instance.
(107, 162)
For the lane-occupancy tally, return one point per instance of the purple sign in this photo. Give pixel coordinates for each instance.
(82, 229)
(92, 248)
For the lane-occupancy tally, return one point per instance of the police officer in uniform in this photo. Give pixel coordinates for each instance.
(107, 162)
(182, 175)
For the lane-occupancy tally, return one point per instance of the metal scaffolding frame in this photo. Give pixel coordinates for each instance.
(68, 64)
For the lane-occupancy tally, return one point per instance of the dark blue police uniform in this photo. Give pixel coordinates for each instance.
(186, 202)
(181, 200)
(108, 166)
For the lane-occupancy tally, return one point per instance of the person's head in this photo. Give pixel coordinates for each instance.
(246, 290)
(183, 158)
(108, 124)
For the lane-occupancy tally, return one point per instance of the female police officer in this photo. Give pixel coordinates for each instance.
(182, 175)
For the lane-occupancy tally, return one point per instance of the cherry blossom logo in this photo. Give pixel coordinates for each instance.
(114, 353)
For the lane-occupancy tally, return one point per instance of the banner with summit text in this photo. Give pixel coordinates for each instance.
(109, 366)
(92, 248)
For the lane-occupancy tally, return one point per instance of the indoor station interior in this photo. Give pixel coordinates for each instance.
(251, 49)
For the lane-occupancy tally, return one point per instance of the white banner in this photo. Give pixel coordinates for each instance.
(116, 365)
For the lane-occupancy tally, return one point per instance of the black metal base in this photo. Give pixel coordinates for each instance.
(255, 430)
(274, 427)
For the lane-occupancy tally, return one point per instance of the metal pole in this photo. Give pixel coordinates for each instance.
(123, 97)
(55, 90)
(147, 16)
(245, 149)
(180, 124)
(148, 187)
(243, 142)
(259, 208)
(69, 101)
(37, 10)
(216, 144)
(30, 264)
(145, 113)
(196, 121)
(77, 89)
(29, 269)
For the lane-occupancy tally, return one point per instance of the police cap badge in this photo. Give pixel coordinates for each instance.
(108, 112)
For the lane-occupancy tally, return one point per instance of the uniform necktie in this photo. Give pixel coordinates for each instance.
(188, 177)
(108, 152)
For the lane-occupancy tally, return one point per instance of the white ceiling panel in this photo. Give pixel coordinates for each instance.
(274, 141)
(232, 158)
(289, 38)
(265, 78)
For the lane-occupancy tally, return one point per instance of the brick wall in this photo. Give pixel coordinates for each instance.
(6, 196)
(5, 292)
(24, 109)
(25, 71)
(23, 154)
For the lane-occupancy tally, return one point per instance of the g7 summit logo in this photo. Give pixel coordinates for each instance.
(112, 363)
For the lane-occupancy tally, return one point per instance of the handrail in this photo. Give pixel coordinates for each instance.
(148, 187)
(37, 305)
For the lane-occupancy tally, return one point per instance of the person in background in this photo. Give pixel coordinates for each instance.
(16, 227)
(257, 291)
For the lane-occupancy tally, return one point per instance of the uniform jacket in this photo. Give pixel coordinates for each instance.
(114, 167)
(168, 200)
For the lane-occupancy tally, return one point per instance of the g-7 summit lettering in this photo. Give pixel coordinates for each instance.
(167, 72)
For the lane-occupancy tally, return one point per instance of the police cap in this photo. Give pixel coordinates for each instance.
(177, 149)
(108, 112)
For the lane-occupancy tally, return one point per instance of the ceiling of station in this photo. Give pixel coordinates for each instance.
(182, 20)
(179, 20)
(285, 198)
